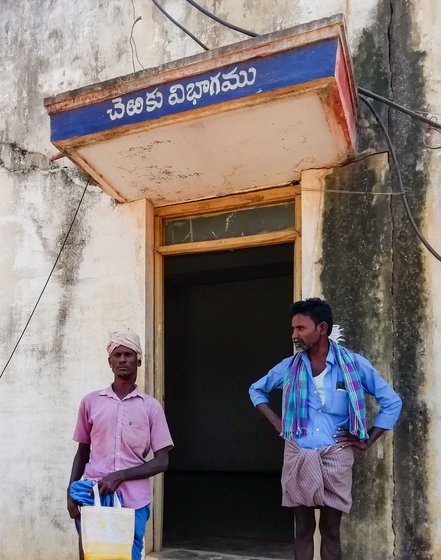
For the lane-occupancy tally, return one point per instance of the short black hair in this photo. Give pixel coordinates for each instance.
(318, 309)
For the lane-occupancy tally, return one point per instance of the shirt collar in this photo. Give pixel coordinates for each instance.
(109, 392)
(330, 358)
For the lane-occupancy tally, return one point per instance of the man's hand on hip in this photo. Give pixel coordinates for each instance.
(345, 439)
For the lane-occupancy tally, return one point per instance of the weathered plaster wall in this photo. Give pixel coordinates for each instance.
(350, 263)
(410, 296)
(427, 16)
(365, 259)
(385, 290)
(99, 283)
(97, 286)
(356, 278)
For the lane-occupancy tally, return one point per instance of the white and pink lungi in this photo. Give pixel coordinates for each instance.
(315, 478)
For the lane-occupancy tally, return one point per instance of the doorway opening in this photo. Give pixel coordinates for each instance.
(226, 325)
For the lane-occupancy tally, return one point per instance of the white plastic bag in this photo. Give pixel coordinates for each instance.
(107, 532)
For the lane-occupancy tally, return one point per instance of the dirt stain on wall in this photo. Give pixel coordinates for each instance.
(373, 276)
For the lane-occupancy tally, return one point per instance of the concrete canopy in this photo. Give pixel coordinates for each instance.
(247, 116)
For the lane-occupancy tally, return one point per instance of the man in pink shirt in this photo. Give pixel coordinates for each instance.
(116, 428)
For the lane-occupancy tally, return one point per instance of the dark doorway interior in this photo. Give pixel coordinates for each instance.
(226, 324)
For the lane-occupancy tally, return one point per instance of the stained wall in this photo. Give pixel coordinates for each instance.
(358, 251)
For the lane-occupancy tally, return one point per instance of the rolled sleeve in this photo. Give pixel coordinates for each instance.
(388, 400)
(160, 437)
(260, 390)
(83, 425)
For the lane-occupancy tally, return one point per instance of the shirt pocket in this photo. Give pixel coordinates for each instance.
(340, 403)
(137, 436)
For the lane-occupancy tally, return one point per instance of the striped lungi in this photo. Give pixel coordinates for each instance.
(321, 477)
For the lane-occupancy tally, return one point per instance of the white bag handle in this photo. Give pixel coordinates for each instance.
(96, 494)
(97, 498)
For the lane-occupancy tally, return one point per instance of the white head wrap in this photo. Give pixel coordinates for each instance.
(337, 334)
(127, 338)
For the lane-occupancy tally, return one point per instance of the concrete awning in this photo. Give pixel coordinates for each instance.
(250, 115)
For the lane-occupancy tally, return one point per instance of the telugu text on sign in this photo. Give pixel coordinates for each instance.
(179, 93)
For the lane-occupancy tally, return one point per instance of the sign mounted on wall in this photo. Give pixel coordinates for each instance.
(275, 72)
(261, 110)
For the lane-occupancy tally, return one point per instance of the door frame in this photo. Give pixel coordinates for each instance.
(267, 197)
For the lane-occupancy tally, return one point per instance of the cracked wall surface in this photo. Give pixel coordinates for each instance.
(356, 278)
(410, 295)
(389, 295)
(362, 254)
(97, 285)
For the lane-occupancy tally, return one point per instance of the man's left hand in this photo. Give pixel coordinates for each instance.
(345, 439)
(110, 483)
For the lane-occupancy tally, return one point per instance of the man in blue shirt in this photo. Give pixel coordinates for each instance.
(323, 419)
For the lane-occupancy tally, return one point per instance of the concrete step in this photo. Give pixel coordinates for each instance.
(187, 554)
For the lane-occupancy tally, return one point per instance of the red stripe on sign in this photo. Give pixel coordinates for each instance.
(345, 88)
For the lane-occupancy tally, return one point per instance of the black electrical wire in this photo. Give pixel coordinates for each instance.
(399, 107)
(47, 281)
(362, 93)
(360, 90)
(133, 45)
(400, 180)
(222, 21)
(181, 27)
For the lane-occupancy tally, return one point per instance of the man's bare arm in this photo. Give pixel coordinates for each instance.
(79, 464)
(271, 416)
(158, 464)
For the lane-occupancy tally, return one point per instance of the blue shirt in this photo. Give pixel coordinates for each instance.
(323, 420)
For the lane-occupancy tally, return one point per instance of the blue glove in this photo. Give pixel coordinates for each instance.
(81, 492)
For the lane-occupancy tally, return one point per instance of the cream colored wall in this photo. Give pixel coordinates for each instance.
(428, 16)
(169, 43)
(100, 284)
(62, 355)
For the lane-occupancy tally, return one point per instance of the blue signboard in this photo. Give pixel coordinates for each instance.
(235, 81)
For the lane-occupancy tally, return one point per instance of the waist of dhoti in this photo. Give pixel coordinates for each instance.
(317, 477)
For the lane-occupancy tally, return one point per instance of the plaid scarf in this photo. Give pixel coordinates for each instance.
(295, 395)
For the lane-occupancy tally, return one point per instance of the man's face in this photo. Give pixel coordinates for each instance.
(124, 362)
(305, 333)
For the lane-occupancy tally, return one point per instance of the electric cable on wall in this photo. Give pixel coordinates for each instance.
(181, 27)
(222, 21)
(132, 42)
(414, 114)
(394, 105)
(47, 280)
(400, 180)
(133, 46)
(363, 94)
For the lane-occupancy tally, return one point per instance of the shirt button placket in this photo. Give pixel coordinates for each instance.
(118, 436)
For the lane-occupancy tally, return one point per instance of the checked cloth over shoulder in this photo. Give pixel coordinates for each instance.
(295, 395)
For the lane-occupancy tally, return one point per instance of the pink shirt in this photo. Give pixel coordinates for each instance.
(121, 433)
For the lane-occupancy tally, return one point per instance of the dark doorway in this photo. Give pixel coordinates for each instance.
(226, 325)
